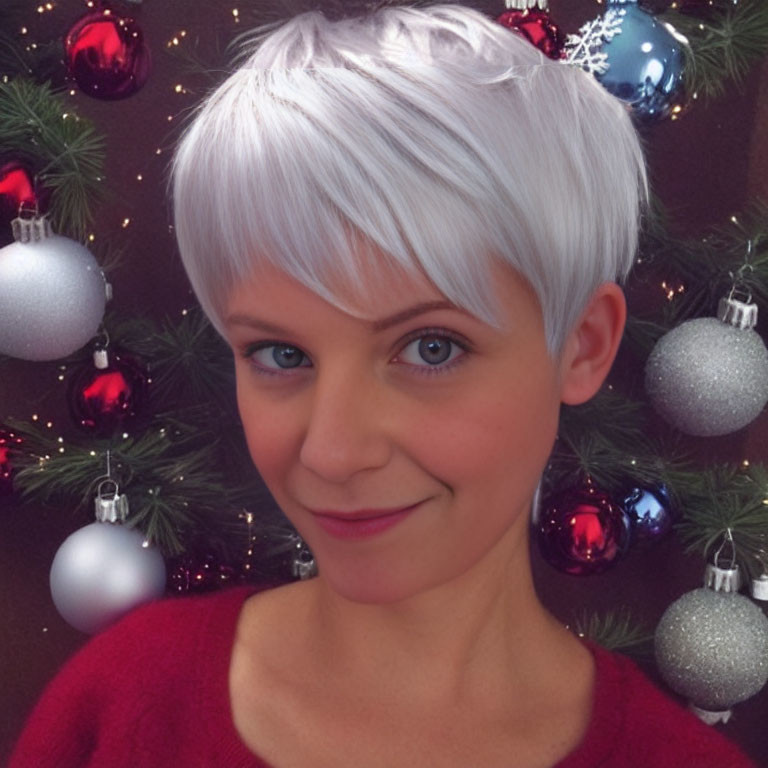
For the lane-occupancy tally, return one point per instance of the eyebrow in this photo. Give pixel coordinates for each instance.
(375, 325)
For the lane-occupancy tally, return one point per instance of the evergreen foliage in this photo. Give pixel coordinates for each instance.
(616, 631)
(725, 42)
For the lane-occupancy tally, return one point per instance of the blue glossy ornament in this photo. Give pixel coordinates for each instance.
(650, 513)
(636, 57)
(645, 61)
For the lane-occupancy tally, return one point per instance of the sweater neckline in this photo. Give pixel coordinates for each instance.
(217, 637)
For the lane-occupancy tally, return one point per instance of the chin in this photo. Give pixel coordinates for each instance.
(372, 585)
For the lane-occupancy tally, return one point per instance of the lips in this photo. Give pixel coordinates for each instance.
(361, 523)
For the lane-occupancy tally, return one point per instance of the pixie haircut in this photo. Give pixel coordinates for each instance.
(429, 139)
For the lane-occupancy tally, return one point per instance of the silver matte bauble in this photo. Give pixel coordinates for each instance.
(52, 297)
(103, 571)
(712, 648)
(708, 378)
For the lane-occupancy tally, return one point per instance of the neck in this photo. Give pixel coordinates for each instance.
(471, 640)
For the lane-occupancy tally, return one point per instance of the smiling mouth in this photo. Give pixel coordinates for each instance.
(362, 514)
(362, 523)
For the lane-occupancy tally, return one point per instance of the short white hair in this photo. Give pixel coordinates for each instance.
(433, 138)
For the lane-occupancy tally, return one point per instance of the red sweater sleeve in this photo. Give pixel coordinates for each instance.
(635, 725)
(150, 691)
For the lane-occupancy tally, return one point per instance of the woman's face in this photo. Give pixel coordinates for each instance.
(418, 404)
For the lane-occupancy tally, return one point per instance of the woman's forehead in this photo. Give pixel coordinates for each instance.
(375, 287)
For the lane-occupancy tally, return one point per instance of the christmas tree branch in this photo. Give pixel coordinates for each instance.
(616, 631)
(725, 44)
(61, 150)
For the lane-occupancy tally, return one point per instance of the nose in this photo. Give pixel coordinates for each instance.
(346, 429)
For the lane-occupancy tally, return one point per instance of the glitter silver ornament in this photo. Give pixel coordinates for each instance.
(709, 376)
(106, 569)
(52, 293)
(712, 647)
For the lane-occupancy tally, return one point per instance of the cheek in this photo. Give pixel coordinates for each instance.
(269, 433)
(497, 441)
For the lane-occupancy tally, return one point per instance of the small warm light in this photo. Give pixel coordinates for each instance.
(145, 544)
(677, 108)
(35, 417)
(24, 30)
(236, 14)
(734, 220)
(61, 450)
(126, 222)
(158, 151)
(72, 92)
(139, 177)
(49, 424)
(184, 312)
(61, 377)
(179, 88)
(91, 237)
(170, 117)
(59, 439)
(745, 463)
(125, 435)
(65, 116)
(92, 453)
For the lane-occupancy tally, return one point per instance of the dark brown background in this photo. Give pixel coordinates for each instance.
(704, 167)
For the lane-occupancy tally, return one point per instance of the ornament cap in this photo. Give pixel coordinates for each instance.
(711, 717)
(722, 579)
(760, 587)
(111, 507)
(304, 566)
(739, 314)
(522, 5)
(100, 358)
(31, 230)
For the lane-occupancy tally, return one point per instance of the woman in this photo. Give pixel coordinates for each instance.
(408, 226)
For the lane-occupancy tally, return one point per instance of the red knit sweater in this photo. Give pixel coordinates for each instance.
(152, 692)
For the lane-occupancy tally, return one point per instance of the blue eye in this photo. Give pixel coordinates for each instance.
(270, 357)
(438, 350)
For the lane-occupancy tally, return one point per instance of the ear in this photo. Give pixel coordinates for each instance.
(591, 346)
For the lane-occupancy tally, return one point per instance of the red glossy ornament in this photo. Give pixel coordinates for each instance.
(536, 25)
(16, 187)
(107, 394)
(106, 55)
(16, 190)
(9, 443)
(582, 531)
